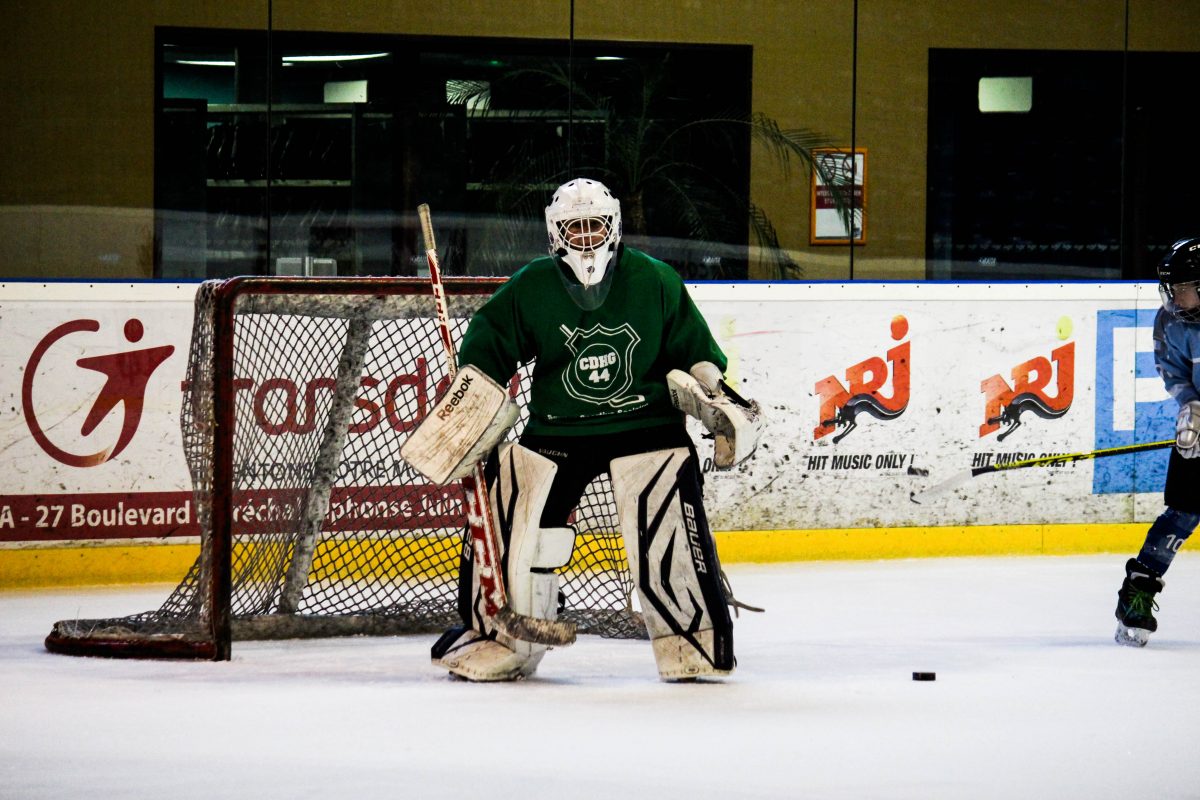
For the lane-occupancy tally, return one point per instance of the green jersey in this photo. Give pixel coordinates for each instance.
(600, 371)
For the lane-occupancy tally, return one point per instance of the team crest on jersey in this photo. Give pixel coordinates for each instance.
(599, 372)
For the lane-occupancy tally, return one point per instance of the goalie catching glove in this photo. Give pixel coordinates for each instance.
(1187, 430)
(735, 423)
(464, 426)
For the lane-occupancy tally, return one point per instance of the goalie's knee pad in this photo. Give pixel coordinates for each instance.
(674, 563)
(532, 554)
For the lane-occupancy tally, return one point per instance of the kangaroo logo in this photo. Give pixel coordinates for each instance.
(599, 372)
(1005, 404)
(840, 406)
(127, 373)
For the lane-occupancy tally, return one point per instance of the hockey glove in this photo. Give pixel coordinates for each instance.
(1187, 430)
(735, 426)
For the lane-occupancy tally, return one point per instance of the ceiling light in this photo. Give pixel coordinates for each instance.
(337, 57)
(1012, 95)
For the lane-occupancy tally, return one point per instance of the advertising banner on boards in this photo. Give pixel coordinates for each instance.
(875, 391)
(872, 392)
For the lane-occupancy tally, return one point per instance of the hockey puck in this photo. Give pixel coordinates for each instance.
(924, 676)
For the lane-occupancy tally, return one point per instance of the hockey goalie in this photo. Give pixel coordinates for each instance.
(620, 354)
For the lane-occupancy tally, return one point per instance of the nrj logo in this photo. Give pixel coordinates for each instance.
(126, 375)
(1005, 403)
(841, 405)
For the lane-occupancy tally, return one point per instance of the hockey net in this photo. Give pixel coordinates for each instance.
(298, 395)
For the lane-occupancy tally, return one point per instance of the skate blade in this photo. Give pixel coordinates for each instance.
(1131, 637)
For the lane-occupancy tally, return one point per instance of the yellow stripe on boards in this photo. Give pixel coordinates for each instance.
(94, 566)
(834, 544)
(376, 559)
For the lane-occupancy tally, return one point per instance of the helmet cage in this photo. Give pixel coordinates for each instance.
(1181, 300)
(585, 234)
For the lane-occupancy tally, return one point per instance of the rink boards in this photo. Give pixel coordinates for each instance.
(872, 391)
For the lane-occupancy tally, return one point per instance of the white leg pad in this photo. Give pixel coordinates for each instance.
(518, 497)
(674, 563)
(477, 658)
(679, 660)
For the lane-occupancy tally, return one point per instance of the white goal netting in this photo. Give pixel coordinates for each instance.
(328, 531)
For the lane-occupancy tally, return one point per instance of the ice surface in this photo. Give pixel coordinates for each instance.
(1033, 699)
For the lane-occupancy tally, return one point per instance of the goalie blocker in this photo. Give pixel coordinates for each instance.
(472, 417)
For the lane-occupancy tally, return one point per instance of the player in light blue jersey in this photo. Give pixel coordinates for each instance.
(1177, 356)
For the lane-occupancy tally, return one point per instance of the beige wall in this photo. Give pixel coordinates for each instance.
(76, 181)
(894, 39)
(76, 165)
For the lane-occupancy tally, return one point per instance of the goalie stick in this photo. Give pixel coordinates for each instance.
(479, 519)
(959, 479)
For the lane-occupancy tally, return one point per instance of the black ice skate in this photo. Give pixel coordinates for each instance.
(1135, 604)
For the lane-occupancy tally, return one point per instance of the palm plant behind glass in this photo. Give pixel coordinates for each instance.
(681, 177)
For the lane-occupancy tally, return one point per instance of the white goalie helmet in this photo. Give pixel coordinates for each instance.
(584, 223)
